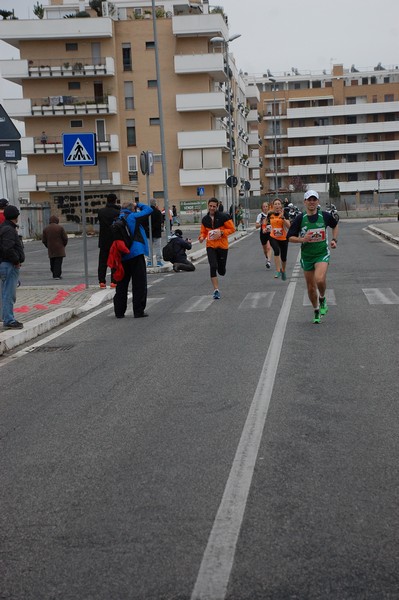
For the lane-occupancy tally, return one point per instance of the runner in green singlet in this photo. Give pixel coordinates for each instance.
(310, 230)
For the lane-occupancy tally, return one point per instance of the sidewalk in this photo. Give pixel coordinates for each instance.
(43, 308)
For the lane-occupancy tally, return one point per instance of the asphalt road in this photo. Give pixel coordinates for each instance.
(218, 449)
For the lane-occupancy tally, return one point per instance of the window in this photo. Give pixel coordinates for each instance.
(73, 85)
(71, 46)
(152, 83)
(131, 132)
(132, 168)
(351, 100)
(158, 194)
(386, 79)
(388, 98)
(375, 99)
(316, 84)
(352, 177)
(350, 120)
(127, 57)
(365, 80)
(389, 117)
(149, 45)
(77, 123)
(154, 121)
(129, 96)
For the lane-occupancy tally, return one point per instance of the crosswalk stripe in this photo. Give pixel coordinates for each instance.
(152, 301)
(381, 296)
(257, 300)
(195, 304)
(330, 295)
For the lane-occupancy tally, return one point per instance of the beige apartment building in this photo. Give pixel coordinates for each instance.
(346, 121)
(98, 74)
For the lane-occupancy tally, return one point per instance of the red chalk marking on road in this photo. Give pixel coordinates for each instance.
(78, 288)
(40, 306)
(22, 309)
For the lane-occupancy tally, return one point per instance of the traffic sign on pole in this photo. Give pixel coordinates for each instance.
(79, 149)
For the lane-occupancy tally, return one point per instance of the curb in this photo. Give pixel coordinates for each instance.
(384, 234)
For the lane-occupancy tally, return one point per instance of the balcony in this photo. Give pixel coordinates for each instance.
(339, 149)
(342, 130)
(193, 64)
(196, 177)
(254, 139)
(252, 93)
(15, 31)
(53, 145)
(255, 162)
(214, 102)
(189, 140)
(59, 106)
(254, 117)
(342, 110)
(18, 70)
(67, 180)
(210, 25)
(345, 167)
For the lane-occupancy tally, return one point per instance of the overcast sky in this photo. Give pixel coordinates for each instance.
(309, 35)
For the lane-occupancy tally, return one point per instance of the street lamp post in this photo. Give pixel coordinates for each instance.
(225, 43)
(161, 124)
(275, 134)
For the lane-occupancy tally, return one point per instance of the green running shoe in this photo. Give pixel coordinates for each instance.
(323, 306)
(316, 318)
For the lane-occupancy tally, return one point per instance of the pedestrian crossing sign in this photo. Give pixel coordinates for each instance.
(79, 149)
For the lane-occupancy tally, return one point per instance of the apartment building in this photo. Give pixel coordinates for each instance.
(346, 121)
(98, 75)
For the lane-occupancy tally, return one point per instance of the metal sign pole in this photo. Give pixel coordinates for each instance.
(83, 210)
(147, 182)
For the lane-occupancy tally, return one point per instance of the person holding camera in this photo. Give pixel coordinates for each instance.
(280, 224)
(180, 245)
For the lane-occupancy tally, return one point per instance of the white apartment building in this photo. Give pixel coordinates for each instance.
(98, 75)
(346, 121)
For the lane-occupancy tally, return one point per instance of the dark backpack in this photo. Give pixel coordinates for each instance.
(168, 251)
(120, 231)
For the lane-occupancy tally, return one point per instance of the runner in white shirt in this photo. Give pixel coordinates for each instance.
(265, 229)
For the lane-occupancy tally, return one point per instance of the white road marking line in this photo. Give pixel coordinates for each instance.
(381, 296)
(381, 238)
(152, 301)
(257, 300)
(195, 304)
(217, 561)
(330, 295)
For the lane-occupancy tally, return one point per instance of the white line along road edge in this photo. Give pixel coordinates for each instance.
(217, 561)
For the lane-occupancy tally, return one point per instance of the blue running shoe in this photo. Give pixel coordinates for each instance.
(216, 295)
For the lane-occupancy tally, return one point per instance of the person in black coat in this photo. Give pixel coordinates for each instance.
(106, 216)
(156, 230)
(180, 245)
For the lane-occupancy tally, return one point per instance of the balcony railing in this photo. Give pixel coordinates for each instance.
(53, 144)
(72, 105)
(72, 179)
(60, 67)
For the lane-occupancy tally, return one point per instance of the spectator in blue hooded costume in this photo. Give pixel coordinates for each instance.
(134, 264)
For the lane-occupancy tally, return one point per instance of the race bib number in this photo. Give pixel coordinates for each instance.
(214, 234)
(277, 232)
(318, 235)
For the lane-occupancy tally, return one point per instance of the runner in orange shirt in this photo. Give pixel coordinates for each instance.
(278, 237)
(216, 226)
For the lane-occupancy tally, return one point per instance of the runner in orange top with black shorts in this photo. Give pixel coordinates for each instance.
(278, 237)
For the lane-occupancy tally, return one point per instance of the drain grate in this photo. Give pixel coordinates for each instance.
(52, 348)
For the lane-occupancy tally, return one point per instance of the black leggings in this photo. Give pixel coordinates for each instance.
(217, 258)
(279, 247)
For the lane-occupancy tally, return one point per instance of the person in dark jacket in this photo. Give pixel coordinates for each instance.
(11, 257)
(180, 245)
(134, 266)
(156, 231)
(106, 216)
(55, 239)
